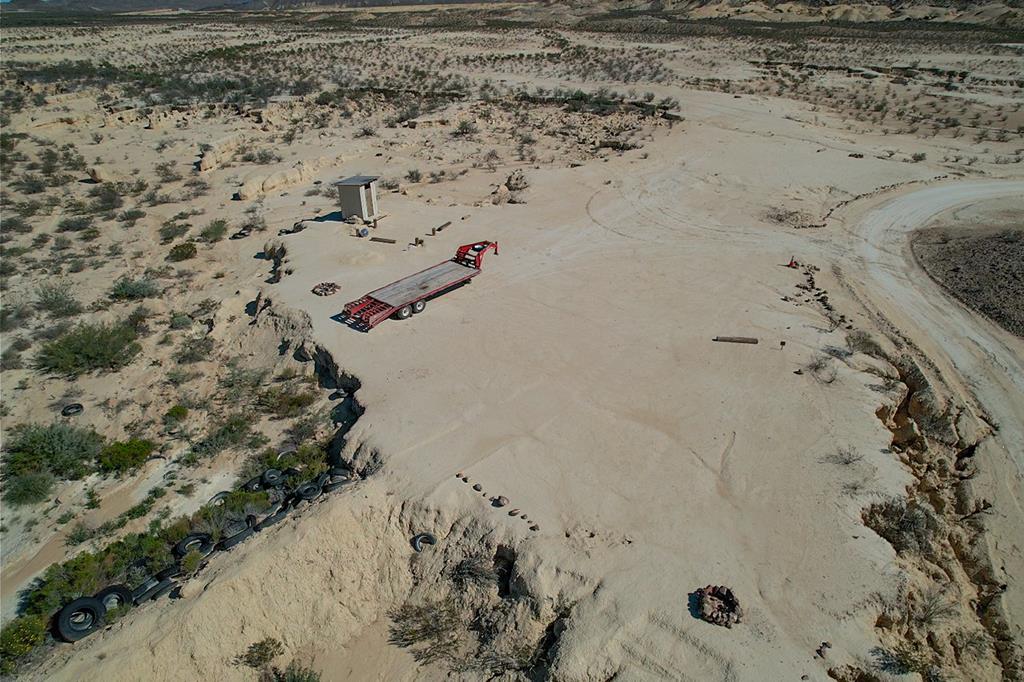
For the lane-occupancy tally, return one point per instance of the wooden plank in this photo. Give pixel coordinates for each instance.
(735, 339)
(383, 240)
(422, 283)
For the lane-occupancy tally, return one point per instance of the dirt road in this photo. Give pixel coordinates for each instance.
(987, 361)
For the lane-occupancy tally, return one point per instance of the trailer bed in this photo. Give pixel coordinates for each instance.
(409, 295)
(422, 283)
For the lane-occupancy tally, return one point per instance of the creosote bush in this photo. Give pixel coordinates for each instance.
(182, 252)
(89, 347)
(126, 289)
(124, 456)
(57, 299)
(36, 455)
(260, 654)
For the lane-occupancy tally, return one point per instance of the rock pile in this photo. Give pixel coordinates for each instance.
(326, 289)
(717, 604)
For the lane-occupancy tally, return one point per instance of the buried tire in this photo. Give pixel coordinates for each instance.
(268, 521)
(272, 478)
(80, 618)
(230, 542)
(422, 539)
(201, 542)
(114, 597)
(308, 491)
(155, 588)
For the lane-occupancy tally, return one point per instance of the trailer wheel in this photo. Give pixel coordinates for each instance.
(404, 313)
(418, 306)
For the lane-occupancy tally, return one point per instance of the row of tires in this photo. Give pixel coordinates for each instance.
(85, 615)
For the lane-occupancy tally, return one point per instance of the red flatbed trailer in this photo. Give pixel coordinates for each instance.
(409, 295)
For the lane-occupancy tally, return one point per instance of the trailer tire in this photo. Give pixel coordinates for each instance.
(80, 618)
(114, 597)
(218, 499)
(418, 307)
(404, 313)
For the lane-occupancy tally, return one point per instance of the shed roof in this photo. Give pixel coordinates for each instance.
(355, 181)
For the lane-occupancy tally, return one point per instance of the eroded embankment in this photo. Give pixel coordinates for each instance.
(475, 601)
(951, 616)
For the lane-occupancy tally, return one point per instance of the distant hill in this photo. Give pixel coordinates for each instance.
(996, 12)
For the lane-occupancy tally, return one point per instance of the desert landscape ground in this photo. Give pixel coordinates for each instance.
(534, 477)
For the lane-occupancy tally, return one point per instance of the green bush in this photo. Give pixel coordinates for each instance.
(295, 672)
(131, 216)
(235, 430)
(171, 230)
(28, 488)
(90, 347)
(76, 224)
(260, 654)
(125, 455)
(56, 299)
(61, 449)
(133, 290)
(284, 401)
(182, 252)
(18, 638)
(194, 350)
(175, 415)
(215, 231)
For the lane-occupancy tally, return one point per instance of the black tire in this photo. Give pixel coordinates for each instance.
(114, 597)
(143, 591)
(268, 521)
(160, 588)
(418, 307)
(228, 543)
(273, 478)
(171, 571)
(339, 471)
(403, 313)
(337, 485)
(218, 499)
(422, 539)
(80, 618)
(165, 587)
(71, 409)
(201, 542)
(308, 491)
(253, 485)
(322, 479)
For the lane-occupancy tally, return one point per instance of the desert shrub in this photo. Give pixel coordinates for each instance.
(13, 315)
(860, 341)
(175, 415)
(131, 216)
(18, 638)
(918, 157)
(29, 183)
(16, 224)
(309, 458)
(414, 175)
(90, 347)
(126, 455)
(79, 534)
(194, 350)
(182, 252)
(28, 488)
(366, 131)
(171, 230)
(466, 128)
(167, 172)
(126, 289)
(285, 401)
(295, 672)
(475, 570)
(432, 629)
(260, 654)
(214, 232)
(137, 320)
(180, 321)
(10, 359)
(232, 511)
(191, 561)
(106, 198)
(57, 299)
(235, 430)
(60, 449)
(910, 527)
(74, 224)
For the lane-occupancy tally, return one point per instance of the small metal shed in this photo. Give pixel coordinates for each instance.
(357, 195)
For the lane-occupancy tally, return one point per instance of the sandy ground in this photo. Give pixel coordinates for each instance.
(578, 377)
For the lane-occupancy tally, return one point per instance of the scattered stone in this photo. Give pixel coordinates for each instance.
(514, 512)
(535, 527)
(500, 501)
(718, 605)
(477, 487)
